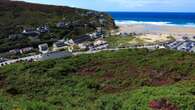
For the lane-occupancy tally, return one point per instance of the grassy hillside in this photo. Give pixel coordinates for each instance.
(16, 16)
(123, 80)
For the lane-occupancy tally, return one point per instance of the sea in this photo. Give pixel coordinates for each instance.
(155, 18)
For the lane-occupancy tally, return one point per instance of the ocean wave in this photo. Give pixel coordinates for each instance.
(120, 22)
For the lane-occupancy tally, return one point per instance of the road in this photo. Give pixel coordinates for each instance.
(54, 55)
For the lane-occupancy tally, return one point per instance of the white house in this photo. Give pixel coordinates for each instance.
(43, 48)
(99, 42)
(82, 46)
(69, 42)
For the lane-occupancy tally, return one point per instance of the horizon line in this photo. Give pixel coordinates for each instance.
(145, 12)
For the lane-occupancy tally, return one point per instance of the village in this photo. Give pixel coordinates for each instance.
(89, 43)
(61, 48)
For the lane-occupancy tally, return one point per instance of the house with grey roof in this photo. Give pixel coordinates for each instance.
(59, 45)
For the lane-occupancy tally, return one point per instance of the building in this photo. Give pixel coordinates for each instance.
(96, 35)
(26, 50)
(99, 29)
(99, 42)
(59, 45)
(161, 47)
(2, 59)
(69, 42)
(186, 46)
(82, 39)
(82, 46)
(43, 48)
(99, 45)
(30, 32)
(21, 51)
(14, 51)
(43, 29)
(183, 46)
(62, 24)
(174, 45)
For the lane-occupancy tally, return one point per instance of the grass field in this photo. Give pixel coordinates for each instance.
(119, 41)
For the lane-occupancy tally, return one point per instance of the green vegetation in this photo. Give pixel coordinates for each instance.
(16, 16)
(171, 38)
(137, 40)
(123, 80)
(119, 41)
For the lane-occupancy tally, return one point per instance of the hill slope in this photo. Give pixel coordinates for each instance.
(124, 80)
(16, 16)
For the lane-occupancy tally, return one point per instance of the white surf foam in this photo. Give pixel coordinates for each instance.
(120, 22)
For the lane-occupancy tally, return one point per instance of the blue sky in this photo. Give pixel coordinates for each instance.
(127, 5)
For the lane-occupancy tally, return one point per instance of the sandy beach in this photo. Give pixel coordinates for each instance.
(158, 32)
(157, 29)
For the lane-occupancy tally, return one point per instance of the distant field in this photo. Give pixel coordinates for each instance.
(135, 79)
